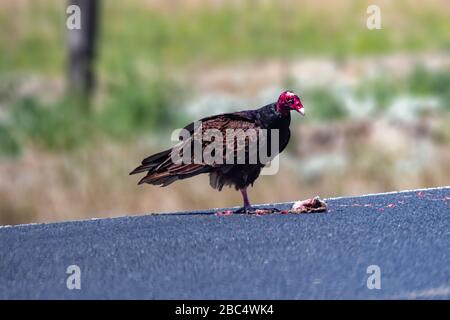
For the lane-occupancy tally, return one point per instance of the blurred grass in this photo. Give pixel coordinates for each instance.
(424, 82)
(32, 36)
(9, 145)
(130, 109)
(142, 45)
(325, 105)
(58, 126)
(136, 31)
(137, 104)
(421, 82)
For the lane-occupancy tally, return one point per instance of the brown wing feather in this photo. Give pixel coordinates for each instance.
(163, 171)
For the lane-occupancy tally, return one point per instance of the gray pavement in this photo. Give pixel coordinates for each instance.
(200, 255)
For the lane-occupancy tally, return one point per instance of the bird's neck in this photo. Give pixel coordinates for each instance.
(281, 109)
(270, 116)
(281, 112)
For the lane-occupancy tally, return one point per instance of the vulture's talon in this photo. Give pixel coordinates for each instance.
(245, 210)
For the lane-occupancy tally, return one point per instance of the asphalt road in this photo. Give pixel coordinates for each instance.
(204, 256)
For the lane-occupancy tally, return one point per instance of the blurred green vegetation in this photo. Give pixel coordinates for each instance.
(136, 31)
(9, 145)
(421, 82)
(55, 126)
(325, 105)
(82, 148)
(424, 82)
(132, 107)
(136, 105)
(140, 45)
(328, 105)
(139, 104)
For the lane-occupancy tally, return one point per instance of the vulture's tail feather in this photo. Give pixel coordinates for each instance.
(162, 171)
(152, 162)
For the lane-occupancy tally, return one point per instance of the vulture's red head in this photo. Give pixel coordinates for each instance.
(289, 101)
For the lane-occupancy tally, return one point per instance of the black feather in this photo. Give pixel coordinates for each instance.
(162, 171)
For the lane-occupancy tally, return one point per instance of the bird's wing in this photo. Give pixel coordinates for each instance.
(162, 170)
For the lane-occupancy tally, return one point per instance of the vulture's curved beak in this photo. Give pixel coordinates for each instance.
(299, 108)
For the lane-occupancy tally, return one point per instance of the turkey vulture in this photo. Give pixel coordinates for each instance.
(226, 169)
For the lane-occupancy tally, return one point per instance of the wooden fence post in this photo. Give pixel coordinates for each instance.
(82, 48)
